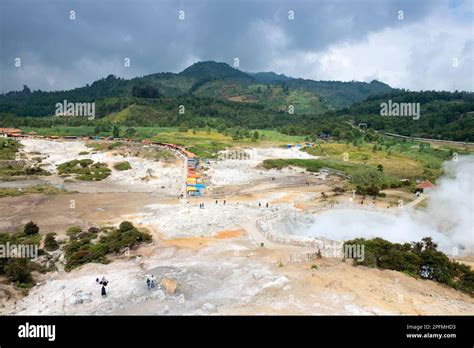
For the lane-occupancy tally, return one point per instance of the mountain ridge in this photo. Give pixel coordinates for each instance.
(204, 79)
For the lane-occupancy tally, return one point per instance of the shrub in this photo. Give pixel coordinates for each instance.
(122, 166)
(85, 169)
(36, 171)
(94, 230)
(83, 250)
(19, 271)
(50, 243)
(31, 228)
(126, 226)
(73, 231)
(146, 237)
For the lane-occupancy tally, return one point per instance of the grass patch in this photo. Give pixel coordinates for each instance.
(366, 179)
(96, 146)
(399, 159)
(8, 149)
(12, 170)
(85, 170)
(125, 165)
(44, 189)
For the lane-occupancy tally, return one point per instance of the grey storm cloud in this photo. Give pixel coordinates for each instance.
(59, 53)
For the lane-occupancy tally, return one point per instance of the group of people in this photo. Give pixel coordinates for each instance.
(104, 283)
(201, 205)
(150, 282)
(260, 204)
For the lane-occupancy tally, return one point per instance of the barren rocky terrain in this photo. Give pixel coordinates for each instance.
(206, 260)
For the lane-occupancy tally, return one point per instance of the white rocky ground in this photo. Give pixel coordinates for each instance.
(146, 174)
(188, 220)
(233, 276)
(219, 276)
(236, 167)
(204, 284)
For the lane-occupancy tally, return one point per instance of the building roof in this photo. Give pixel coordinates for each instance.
(10, 130)
(425, 185)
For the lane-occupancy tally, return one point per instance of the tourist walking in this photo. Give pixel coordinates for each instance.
(152, 281)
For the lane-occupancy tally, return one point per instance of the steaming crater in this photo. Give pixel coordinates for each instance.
(346, 224)
(448, 217)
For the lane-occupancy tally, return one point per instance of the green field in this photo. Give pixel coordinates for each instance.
(402, 160)
(273, 97)
(374, 166)
(203, 143)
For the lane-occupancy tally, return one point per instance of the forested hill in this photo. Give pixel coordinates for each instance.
(218, 96)
(443, 115)
(203, 79)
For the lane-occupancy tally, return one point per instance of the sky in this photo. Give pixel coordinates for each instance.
(411, 44)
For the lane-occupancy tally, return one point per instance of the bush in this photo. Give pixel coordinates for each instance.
(85, 170)
(31, 228)
(94, 230)
(73, 231)
(126, 226)
(19, 271)
(50, 243)
(36, 171)
(122, 166)
(82, 251)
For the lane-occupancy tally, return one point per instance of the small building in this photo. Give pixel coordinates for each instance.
(424, 185)
(10, 132)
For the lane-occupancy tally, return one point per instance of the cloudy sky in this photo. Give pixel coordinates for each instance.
(412, 44)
